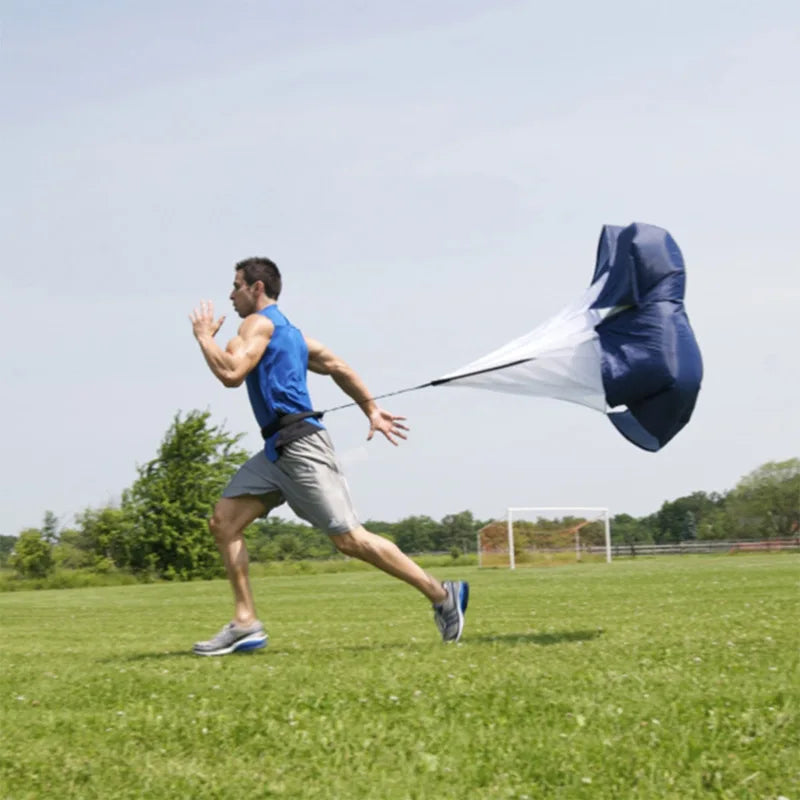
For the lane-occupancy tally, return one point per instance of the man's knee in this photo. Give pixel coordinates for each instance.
(351, 543)
(233, 514)
(218, 525)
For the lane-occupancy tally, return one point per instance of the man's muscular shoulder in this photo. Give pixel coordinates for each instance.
(256, 326)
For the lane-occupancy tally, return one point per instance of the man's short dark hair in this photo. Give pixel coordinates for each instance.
(264, 270)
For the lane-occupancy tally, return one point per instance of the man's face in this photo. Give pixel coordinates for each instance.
(243, 297)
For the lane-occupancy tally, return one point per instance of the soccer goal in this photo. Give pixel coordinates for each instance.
(542, 535)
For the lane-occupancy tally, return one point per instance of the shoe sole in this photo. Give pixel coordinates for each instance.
(461, 605)
(463, 602)
(253, 641)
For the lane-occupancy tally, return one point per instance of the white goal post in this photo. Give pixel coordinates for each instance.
(590, 513)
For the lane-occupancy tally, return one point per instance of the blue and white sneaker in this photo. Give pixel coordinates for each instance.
(449, 615)
(233, 638)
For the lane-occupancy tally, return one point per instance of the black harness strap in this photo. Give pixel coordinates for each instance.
(286, 420)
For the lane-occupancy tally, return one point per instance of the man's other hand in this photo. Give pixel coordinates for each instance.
(390, 425)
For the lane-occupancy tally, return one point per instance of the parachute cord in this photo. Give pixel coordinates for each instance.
(437, 382)
(378, 397)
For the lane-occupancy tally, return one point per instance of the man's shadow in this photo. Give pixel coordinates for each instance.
(541, 639)
(166, 655)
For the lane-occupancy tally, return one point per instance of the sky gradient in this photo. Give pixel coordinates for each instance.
(431, 179)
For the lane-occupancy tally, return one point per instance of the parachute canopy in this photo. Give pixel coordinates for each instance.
(625, 348)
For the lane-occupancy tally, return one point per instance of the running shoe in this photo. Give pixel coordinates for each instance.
(233, 638)
(449, 615)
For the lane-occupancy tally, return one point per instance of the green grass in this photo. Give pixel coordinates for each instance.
(654, 678)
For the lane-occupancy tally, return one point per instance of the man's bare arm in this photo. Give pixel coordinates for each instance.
(231, 365)
(324, 362)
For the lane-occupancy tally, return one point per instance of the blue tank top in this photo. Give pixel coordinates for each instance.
(277, 384)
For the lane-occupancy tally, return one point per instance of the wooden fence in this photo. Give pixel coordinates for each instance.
(703, 546)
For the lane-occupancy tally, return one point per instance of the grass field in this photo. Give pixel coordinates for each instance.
(674, 677)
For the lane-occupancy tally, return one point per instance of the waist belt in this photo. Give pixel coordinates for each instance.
(285, 420)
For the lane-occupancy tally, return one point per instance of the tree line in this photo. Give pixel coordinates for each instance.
(159, 528)
(764, 504)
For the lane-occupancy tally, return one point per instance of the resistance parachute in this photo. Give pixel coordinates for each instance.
(625, 348)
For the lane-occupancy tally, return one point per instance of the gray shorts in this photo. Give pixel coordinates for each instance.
(308, 477)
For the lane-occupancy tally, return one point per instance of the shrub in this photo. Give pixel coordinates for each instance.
(32, 556)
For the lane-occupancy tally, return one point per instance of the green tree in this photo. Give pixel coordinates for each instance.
(50, 527)
(276, 539)
(68, 555)
(458, 531)
(168, 506)
(416, 534)
(671, 519)
(6, 548)
(689, 526)
(716, 525)
(629, 531)
(766, 502)
(99, 541)
(33, 555)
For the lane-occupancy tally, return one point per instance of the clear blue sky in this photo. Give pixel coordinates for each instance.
(431, 178)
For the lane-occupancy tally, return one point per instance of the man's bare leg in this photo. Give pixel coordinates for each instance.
(231, 516)
(387, 556)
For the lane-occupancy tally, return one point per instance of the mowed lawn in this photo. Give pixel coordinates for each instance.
(655, 678)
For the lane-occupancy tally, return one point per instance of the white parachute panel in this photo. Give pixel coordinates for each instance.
(560, 359)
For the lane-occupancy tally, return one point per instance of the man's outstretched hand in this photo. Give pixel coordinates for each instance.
(203, 322)
(390, 425)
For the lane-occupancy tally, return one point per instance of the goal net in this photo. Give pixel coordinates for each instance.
(542, 536)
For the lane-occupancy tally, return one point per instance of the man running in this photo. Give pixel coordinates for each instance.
(298, 464)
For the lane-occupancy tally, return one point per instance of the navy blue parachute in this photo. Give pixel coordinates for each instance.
(650, 359)
(626, 348)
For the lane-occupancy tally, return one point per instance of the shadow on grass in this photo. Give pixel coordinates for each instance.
(164, 655)
(405, 645)
(542, 639)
